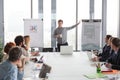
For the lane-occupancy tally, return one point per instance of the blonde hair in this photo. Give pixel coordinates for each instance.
(27, 41)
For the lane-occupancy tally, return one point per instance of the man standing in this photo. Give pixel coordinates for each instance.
(60, 33)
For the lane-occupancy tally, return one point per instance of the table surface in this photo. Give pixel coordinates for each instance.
(65, 67)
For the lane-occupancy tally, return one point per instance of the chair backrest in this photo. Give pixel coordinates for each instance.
(47, 49)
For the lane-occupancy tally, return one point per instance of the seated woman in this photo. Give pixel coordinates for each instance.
(7, 48)
(105, 51)
(8, 69)
(27, 42)
(111, 53)
(114, 61)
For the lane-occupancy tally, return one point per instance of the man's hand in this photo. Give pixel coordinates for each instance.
(79, 22)
(21, 64)
(108, 65)
(59, 36)
(95, 59)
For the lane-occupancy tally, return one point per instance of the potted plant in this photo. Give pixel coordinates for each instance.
(1, 49)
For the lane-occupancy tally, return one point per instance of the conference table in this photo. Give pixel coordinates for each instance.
(64, 67)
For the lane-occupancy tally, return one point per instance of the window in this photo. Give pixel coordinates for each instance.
(47, 22)
(83, 13)
(50, 11)
(112, 16)
(67, 12)
(98, 9)
(14, 13)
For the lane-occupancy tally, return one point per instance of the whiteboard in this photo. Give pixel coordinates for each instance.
(91, 34)
(34, 28)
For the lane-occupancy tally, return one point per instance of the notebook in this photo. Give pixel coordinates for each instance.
(94, 76)
(66, 50)
(105, 69)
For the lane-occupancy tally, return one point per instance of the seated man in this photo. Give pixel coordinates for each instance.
(19, 41)
(9, 69)
(114, 61)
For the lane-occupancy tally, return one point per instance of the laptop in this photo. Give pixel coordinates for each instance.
(66, 50)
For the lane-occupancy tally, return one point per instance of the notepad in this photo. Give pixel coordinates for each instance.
(94, 76)
(112, 72)
(105, 69)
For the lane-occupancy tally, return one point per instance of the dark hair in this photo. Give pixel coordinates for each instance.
(15, 54)
(116, 42)
(60, 20)
(18, 40)
(8, 46)
(108, 36)
(23, 46)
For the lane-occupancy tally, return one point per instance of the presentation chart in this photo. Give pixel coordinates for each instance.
(91, 34)
(34, 28)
